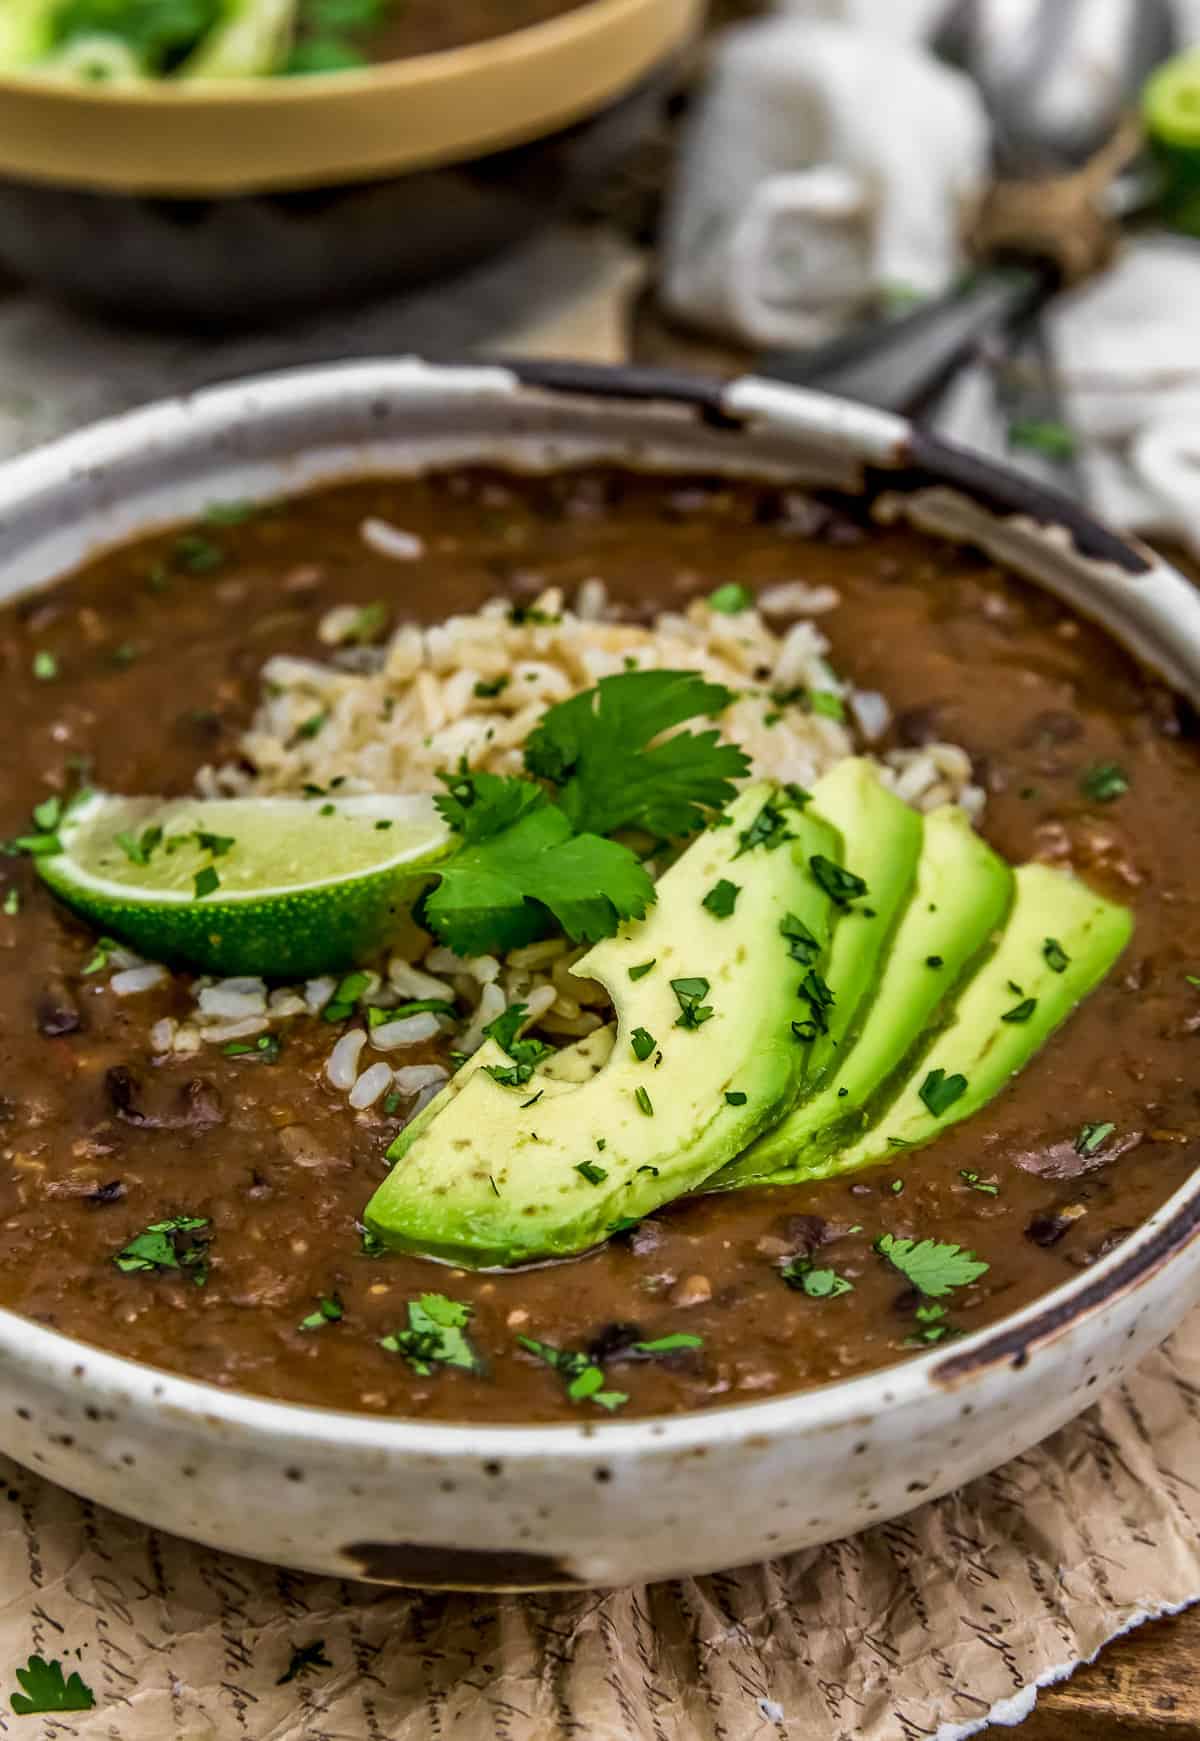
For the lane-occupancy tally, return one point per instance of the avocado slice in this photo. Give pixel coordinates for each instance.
(574, 1063)
(504, 1175)
(1060, 941)
(881, 844)
(963, 892)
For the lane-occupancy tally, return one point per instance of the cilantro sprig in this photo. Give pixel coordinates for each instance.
(599, 749)
(534, 852)
(435, 1336)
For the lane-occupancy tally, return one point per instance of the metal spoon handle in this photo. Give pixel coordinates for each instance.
(902, 365)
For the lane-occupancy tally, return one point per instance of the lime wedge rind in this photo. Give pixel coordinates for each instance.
(282, 926)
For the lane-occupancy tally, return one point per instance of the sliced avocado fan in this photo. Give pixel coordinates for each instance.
(1060, 942)
(963, 892)
(710, 1050)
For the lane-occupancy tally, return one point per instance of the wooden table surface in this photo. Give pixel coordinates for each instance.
(1145, 1687)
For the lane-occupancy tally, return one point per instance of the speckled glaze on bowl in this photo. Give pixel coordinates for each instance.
(598, 1502)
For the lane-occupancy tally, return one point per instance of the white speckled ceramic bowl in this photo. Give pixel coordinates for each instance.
(598, 1502)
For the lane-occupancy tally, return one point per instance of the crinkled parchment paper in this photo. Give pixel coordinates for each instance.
(929, 1626)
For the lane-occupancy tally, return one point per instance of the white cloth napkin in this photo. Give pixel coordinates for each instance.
(824, 164)
(828, 159)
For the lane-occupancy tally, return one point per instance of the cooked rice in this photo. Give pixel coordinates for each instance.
(474, 687)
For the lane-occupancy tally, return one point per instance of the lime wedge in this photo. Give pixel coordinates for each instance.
(1171, 112)
(284, 887)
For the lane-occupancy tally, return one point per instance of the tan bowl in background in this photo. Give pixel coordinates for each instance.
(235, 204)
(260, 135)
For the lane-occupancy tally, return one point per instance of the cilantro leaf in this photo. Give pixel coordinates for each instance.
(929, 1265)
(44, 1688)
(178, 1244)
(526, 1055)
(435, 1336)
(584, 1379)
(595, 748)
(479, 806)
(819, 1284)
(499, 889)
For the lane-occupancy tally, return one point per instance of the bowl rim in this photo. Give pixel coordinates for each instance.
(271, 134)
(892, 452)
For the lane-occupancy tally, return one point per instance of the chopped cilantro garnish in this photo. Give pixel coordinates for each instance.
(12, 903)
(840, 884)
(344, 1001)
(985, 1187)
(370, 1243)
(1057, 959)
(935, 1327)
(205, 881)
(690, 995)
(768, 830)
(178, 1244)
(594, 1174)
(1192, 979)
(1092, 1138)
(735, 1097)
(48, 814)
(819, 998)
(1020, 1012)
(44, 1689)
(721, 898)
(329, 1311)
(267, 1047)
(730, 600)
(598, 748)
(929, 1265)
(526, 1055)
(673, 1344)
(45, 666)
(417, 1006)
(645, 1104)
(643, 1044)
(818, 1284)
(197, 554)
(827, 704)
(897, 1185)
(802, 945)
(217, 844)
(139, 848)
(641, 970)
(623, 1224)
(939, 1091)
(435, 1336)
(309, 727)
(98, 960)
(368, 623)
(487, 691)
(584, 1379)
(1104, 782)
